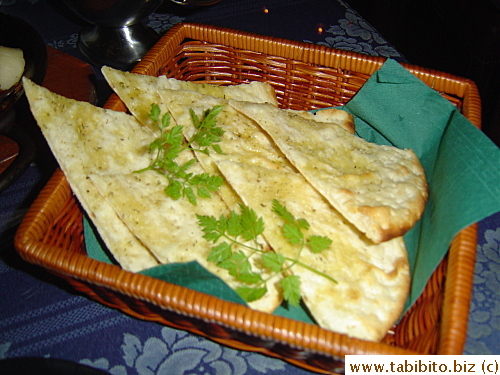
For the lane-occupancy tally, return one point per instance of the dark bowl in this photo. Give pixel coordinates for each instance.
(17, 33)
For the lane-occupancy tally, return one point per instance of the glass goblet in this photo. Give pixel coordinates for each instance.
(115, 35)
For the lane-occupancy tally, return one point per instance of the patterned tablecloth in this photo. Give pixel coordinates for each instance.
(40, 317)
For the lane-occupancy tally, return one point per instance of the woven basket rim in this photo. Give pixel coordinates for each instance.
(436, 79)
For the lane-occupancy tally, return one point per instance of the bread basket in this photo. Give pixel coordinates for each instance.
(305, 76)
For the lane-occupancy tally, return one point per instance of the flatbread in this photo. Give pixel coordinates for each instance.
(373, 280)
(243, 139)
(139, 91)
(169, 228)
(99, 150)
(330, 116)
(86, 139)
(382, 190)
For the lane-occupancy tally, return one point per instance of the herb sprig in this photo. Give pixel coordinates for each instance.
(233, 232)
(170, 144)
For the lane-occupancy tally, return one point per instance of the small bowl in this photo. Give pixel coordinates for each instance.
(17, 33)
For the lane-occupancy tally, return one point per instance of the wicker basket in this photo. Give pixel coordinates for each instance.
(305, 76)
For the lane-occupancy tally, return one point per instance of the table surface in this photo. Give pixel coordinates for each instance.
(41, 317)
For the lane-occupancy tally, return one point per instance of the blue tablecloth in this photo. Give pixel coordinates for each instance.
(40, 317)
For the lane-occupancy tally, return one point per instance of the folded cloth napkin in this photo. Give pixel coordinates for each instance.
(191, 274)
(462, 167)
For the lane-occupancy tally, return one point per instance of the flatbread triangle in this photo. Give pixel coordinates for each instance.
(382, 190)
(372, 280)
(82, 144)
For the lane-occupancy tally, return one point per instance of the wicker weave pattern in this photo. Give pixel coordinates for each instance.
(305, 76)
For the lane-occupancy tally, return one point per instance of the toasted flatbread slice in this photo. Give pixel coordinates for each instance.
(372, 280)
(169, 228)
(86, 139)
(139, 91)
(99, 150)
(331, 116)
(380, 189)
(243, 139)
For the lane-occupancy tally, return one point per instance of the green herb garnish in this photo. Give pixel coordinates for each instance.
(233, 232)
(170, 144)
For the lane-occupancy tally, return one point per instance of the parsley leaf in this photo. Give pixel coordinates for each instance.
(234, 227)
(291, 289)
(238, 265)
(237, 230)
(207, 133)
(318, 243)
(292, 233)
(220, 253)
(250, 294)
(252, 225)
(273, 261)
(170, 144)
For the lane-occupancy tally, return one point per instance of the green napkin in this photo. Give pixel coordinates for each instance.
(462, 166)
(191, 275)
(93, 244)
